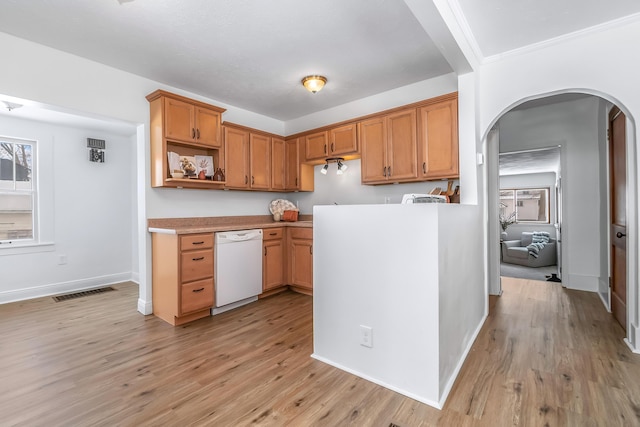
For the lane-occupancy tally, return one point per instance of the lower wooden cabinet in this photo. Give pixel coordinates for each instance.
(182, 276)
(273, 259)
(300, 259)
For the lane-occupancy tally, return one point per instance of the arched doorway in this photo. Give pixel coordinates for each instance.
(596, 182)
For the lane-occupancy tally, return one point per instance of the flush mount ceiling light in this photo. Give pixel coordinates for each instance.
(341, 166)
(314, 83)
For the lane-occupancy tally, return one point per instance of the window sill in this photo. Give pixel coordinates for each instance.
(26, 248)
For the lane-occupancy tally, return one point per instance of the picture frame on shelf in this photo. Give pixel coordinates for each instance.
(204, 163)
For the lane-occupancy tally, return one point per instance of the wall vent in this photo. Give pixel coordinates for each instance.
(100, 144)
(74, 295)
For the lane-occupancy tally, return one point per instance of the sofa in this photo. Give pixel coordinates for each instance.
(516, 251)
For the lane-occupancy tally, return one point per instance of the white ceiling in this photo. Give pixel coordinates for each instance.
(530, 161)
(252, 54)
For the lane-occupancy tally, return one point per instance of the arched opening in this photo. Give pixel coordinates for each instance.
(585, 176)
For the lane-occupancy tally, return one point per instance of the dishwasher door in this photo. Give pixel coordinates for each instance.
(238, 266)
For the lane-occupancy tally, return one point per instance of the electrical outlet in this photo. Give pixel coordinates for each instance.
(366, 336)
(62, 260)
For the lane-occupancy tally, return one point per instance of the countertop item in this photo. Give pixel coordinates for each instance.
(221, 223)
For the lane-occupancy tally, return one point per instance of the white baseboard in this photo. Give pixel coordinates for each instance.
(456, 371)
(634, 332)
(63, 287)
(135, 277)
(380, 383)
(145, 307)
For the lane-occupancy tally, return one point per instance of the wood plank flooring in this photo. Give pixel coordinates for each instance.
(545, 356)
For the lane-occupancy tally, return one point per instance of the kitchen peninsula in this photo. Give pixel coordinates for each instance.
(183, 262)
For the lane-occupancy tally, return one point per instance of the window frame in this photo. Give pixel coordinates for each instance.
(514, 198)
(34, 240)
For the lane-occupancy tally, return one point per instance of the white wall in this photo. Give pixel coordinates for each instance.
(532, 180)
(595, 63)
(86, 213)
(397, 270)
(573, 125)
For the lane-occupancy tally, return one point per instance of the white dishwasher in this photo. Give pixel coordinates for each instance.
(237, 268)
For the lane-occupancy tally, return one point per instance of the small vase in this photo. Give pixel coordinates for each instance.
(202, 175)
(503, 235)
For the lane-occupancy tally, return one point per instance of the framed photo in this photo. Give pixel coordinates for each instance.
(204, 163)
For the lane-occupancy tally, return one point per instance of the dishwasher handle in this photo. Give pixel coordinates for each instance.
(241, 236)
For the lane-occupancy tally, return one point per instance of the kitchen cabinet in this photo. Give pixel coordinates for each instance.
(340, 141)
(273, 263)
(278, 164)
(300, 259)
(182, 276)
(389, 148)
(298, 176)
(438, 139)
(248, 159)
(316, 145)
(188, 128)
(343, 140)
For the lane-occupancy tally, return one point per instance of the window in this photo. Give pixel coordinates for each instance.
(531, 205)
(17, 190)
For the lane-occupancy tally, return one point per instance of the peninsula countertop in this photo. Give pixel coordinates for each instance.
(221, 223)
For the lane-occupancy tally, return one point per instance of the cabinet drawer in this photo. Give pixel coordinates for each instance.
(196, 265)
(196, 296)
(301, 233)
(272, 233)
(196, 241)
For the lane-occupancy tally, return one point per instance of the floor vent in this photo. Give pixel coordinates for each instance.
(82, 294)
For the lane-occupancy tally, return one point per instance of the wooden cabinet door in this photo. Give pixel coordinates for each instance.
(373, 142)
(301, 257)
(292, 162)
(438, 140)
(260, 161)
(278, 164)
(343, 140)
(208, 127)
(236, 143)
(179, 120)
(316, 145)
(273, 264)
(402, 146)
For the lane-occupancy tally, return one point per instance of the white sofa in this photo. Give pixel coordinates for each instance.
(515, 252)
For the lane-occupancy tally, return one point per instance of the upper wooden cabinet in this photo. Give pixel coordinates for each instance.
(248, 158)
(278, 164)
(343, 140)
(389, 148)
(438, 140)
(260, 161)
(340, 141)
(316, 145)
(188, 121)
(298, 175)
(187, 128)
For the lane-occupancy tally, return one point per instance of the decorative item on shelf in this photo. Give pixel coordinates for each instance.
(177, 174)
(201, 175)
(278, 207)
(174, 162)
(219, 175)
(290, 215)
(204, 164)
(188, 166)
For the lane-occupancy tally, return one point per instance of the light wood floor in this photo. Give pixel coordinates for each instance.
(545, 356)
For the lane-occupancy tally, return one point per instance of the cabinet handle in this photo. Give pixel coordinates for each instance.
(197, 133)
(389, 171)
(193, 133)
(424, 167)
(198, 290)
(332, 147)
(246, 180)
(272, 234)
(265, 251)
(296, 182)
(197, 243)
(325, 148)
(384, 171)
(311, 249)
(253, 180)
(197, 259)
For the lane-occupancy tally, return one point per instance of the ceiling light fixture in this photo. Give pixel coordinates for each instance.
(314, 83)
(325, 168)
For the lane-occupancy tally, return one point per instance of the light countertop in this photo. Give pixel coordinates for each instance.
(224, 223)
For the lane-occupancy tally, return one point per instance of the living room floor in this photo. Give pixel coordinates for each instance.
(530, 273)
(545, 356)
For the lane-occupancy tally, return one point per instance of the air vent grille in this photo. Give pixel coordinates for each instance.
(74, 295)
(100, 144)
